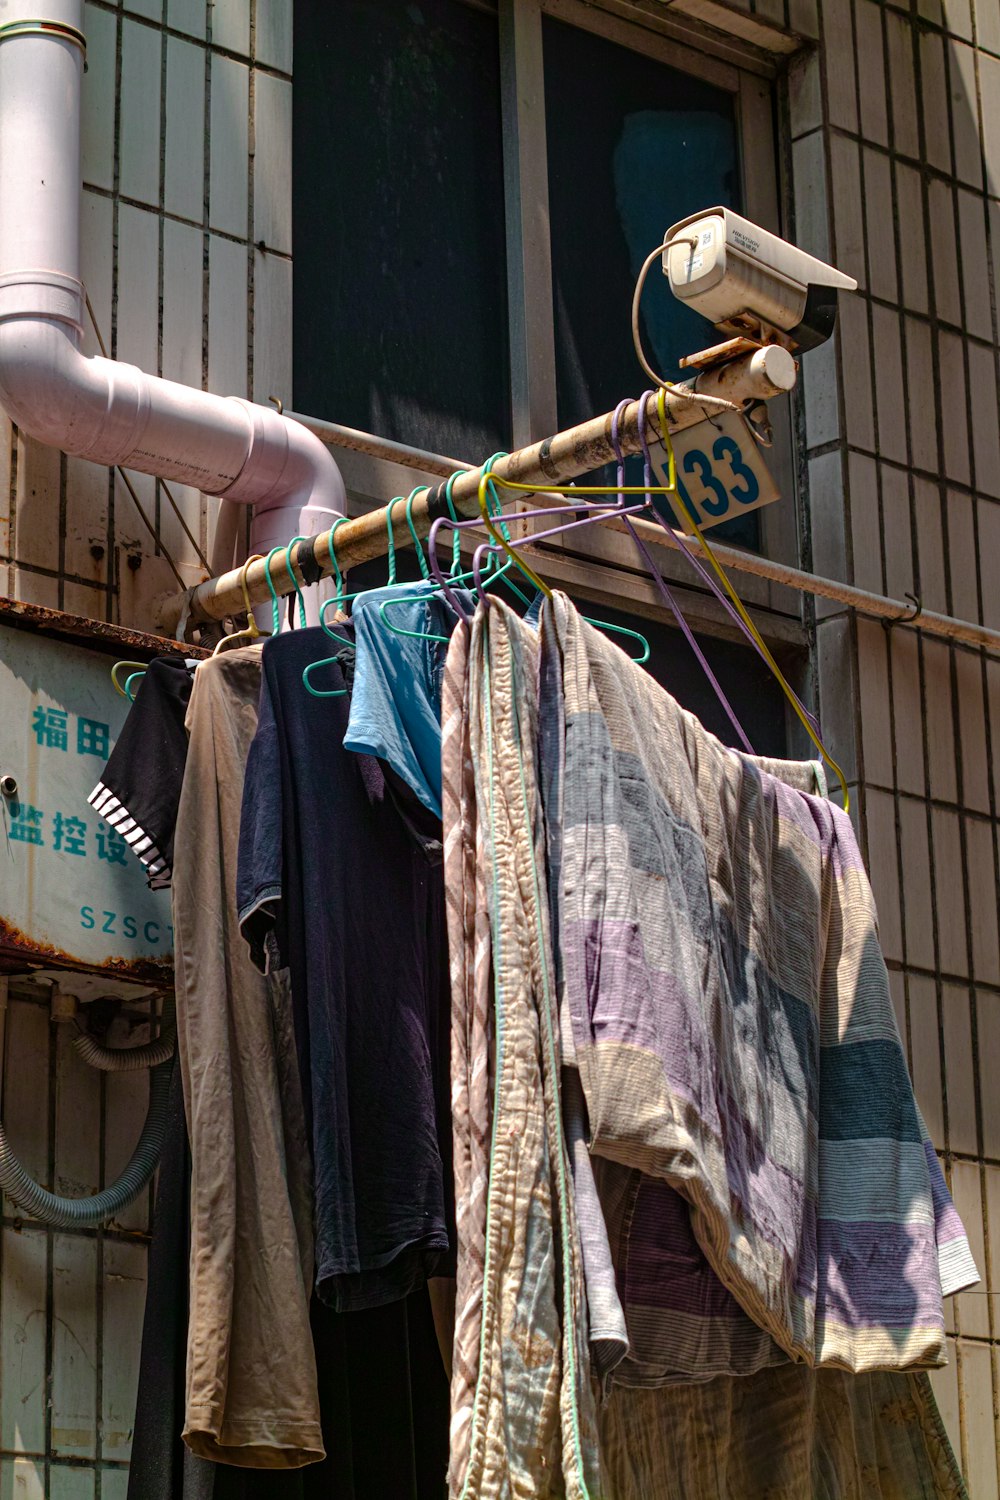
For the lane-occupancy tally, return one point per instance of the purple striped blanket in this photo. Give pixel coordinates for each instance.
(732, 1025)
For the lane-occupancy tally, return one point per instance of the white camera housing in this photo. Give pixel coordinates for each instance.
(751, 283)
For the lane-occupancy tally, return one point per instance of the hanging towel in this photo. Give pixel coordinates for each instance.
(471, 1033)
(736, 1042)
(523, 1415)
(785, 1434)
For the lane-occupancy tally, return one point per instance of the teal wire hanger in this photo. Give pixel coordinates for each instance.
(457, 576)
(494, 573)
(275, 602)
(340, 598)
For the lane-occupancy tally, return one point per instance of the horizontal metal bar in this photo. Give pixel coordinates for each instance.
(556, 460)
(378, 447)
(876, 606)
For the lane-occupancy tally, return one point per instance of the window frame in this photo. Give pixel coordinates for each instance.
(597, 562)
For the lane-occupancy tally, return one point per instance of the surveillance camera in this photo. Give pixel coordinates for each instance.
(750, 283)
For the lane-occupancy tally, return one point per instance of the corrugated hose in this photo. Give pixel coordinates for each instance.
(87, 1213)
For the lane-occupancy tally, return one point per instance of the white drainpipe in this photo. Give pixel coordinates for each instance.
(101, 409)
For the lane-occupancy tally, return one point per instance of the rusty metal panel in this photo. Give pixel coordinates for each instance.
(71, 893)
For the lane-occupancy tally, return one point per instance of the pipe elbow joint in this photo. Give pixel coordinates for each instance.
(286, 466)
(46, 385)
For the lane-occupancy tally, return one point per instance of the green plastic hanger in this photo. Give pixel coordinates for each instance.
(456, 575)
(341, 598)
(498, 573)
(275, 602)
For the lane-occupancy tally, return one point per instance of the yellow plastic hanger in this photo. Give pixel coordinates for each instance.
(134, 668)
(691, 526)
(251, 631)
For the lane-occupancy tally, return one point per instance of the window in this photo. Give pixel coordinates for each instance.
(475, 185)
(633, 146)
(400, 302)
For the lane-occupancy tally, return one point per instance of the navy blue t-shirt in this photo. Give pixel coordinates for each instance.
(332, 884)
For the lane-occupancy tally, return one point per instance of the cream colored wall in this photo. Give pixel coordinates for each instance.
(895, 166)
(186, 256)
(892, 151)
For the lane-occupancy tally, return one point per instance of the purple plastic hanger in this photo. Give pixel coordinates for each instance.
(593, 507)
(654, 571)
(687, 546)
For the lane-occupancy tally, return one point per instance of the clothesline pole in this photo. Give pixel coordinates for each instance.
(555, 460)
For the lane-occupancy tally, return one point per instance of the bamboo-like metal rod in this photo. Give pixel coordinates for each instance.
(759, 376)
(558, 460)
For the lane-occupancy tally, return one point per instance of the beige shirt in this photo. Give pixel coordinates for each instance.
(252, 1397)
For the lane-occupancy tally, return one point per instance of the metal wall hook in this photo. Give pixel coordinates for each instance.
(909, 616)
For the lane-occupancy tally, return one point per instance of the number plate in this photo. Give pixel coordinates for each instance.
(720, 471)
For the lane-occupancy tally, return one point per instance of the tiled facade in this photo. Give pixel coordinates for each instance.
(898, 113)
(890, 136)
(186, 238)
(186, 256)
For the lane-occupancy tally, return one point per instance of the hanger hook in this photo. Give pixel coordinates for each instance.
(421, 489)
(668, 442)
(250, 630)
(392, 538)
(647, 461)
(500, 533)
(908, 616)
(332, 548)
(275, 606)
(254, 557)
(456, 539)
(616, 420)
(298, 591)
(135, 665)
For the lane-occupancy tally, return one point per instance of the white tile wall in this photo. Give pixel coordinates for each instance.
(184, 123)
(229, 146)
(930, 798)
(167, 260)
(169, 169)
(139, 159)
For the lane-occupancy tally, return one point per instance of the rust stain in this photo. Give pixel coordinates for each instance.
(72, 1437)
(18, 952)
(98, 634)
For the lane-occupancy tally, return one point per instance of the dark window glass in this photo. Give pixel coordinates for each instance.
(633, 146)
(400, 323)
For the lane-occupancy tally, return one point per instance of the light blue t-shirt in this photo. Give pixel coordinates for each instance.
(396, 697)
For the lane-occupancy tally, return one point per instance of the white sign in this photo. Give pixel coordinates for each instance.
(70, 887)
(720, 471)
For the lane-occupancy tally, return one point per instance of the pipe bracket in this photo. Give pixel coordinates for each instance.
(45, 28)
(42, 294)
